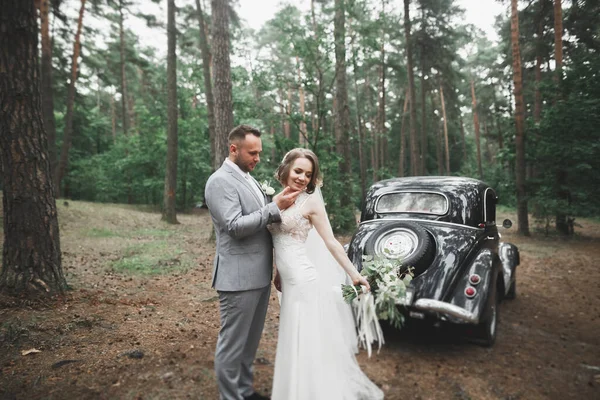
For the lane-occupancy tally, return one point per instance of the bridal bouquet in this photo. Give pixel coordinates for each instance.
(388, 281)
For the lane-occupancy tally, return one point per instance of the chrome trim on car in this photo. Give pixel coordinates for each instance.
(412, 212)
(421, 220)
(446, 308)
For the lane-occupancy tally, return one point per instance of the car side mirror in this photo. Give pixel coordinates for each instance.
(507, 223)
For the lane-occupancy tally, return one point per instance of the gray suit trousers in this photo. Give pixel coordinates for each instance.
(242, 320)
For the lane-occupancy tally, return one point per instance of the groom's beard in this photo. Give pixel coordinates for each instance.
(244, 166)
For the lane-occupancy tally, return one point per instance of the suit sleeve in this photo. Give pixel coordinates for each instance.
(224, 204)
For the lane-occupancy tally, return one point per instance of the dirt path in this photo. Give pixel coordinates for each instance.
(127, 332)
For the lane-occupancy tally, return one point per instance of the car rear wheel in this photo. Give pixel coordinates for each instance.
(512, 291)
(404, 241)
(486, 331)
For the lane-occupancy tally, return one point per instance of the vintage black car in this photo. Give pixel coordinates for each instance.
(444, 227)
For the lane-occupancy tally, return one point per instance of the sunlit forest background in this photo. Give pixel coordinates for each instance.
(377, 88)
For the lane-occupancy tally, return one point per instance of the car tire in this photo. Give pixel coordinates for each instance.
(512, 291)
(421, 256)
(486, 331)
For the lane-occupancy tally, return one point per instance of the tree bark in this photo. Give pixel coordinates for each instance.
(341, 96)
(381, 130)
(423, 165)
(446, 147)
(287, 128)
(537, 109)
(464, 142)
(361, 135)
(61, 168)
(221, 78)
(47, 92)
(302, 137)
(477, 131)
(522, 215)
(414, 156)
(381, 97)
(169, 199)
(208, 90)
(31, 257)
(402, 161)
(558, 34)
(562, 174)
(123, 75)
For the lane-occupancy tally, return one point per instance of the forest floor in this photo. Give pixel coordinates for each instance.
(141, 322)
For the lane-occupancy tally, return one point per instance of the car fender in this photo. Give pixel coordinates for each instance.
(510, 259)
(484, 266)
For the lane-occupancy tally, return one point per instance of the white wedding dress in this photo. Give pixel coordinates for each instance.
(317, 336)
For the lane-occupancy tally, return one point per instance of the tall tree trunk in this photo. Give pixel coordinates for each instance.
(381, 97)
(558, 35)
(169, 199)
(446, 147)
(423, 124)
(438, 148)
(123, 76)
(113, 118)
(562, 174)
(523, 218)
(282, 110)
(221, 78)
(361, 135)
(287, 129)
(423, 52)
(61, 168)
(537, 110)
(303, 138)
(402, 161)
(341, 97)
(47, 92)
(462, 135)
(477, 131)
(381, 130)
(414, 152)
(210, 101)
(31, 257)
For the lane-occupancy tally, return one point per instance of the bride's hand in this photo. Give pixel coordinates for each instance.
(361, 280)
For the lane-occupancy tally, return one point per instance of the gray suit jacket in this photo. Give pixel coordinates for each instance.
(244, 256)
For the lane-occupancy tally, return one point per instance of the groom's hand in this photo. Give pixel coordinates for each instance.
(285, 198)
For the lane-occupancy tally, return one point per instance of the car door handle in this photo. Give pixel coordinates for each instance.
(490, 238)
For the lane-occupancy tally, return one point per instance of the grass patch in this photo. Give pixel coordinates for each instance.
(502, 209)
(101, 233)
(156, 258)
(152, 232)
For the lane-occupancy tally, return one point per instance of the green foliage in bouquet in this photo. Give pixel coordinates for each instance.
(388, 280)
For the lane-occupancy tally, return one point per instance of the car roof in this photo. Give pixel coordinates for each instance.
(438, 183)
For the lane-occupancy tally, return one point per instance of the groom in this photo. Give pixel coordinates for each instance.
(243, 261)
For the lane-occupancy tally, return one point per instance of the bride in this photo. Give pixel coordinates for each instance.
(317, 336)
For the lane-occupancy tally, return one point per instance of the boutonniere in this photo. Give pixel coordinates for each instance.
(268, 190)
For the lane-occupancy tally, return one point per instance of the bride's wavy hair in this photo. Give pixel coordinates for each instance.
(283, 171)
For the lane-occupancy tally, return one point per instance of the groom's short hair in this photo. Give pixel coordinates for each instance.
(239, 133)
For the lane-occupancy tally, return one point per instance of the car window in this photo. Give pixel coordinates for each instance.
(412, 202)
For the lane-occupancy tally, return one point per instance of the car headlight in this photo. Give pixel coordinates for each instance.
(398, 243)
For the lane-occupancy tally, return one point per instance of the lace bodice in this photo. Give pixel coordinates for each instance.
(293, 224)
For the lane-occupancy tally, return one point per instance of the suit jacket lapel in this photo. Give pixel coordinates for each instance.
(244, 182)
(264, 195)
